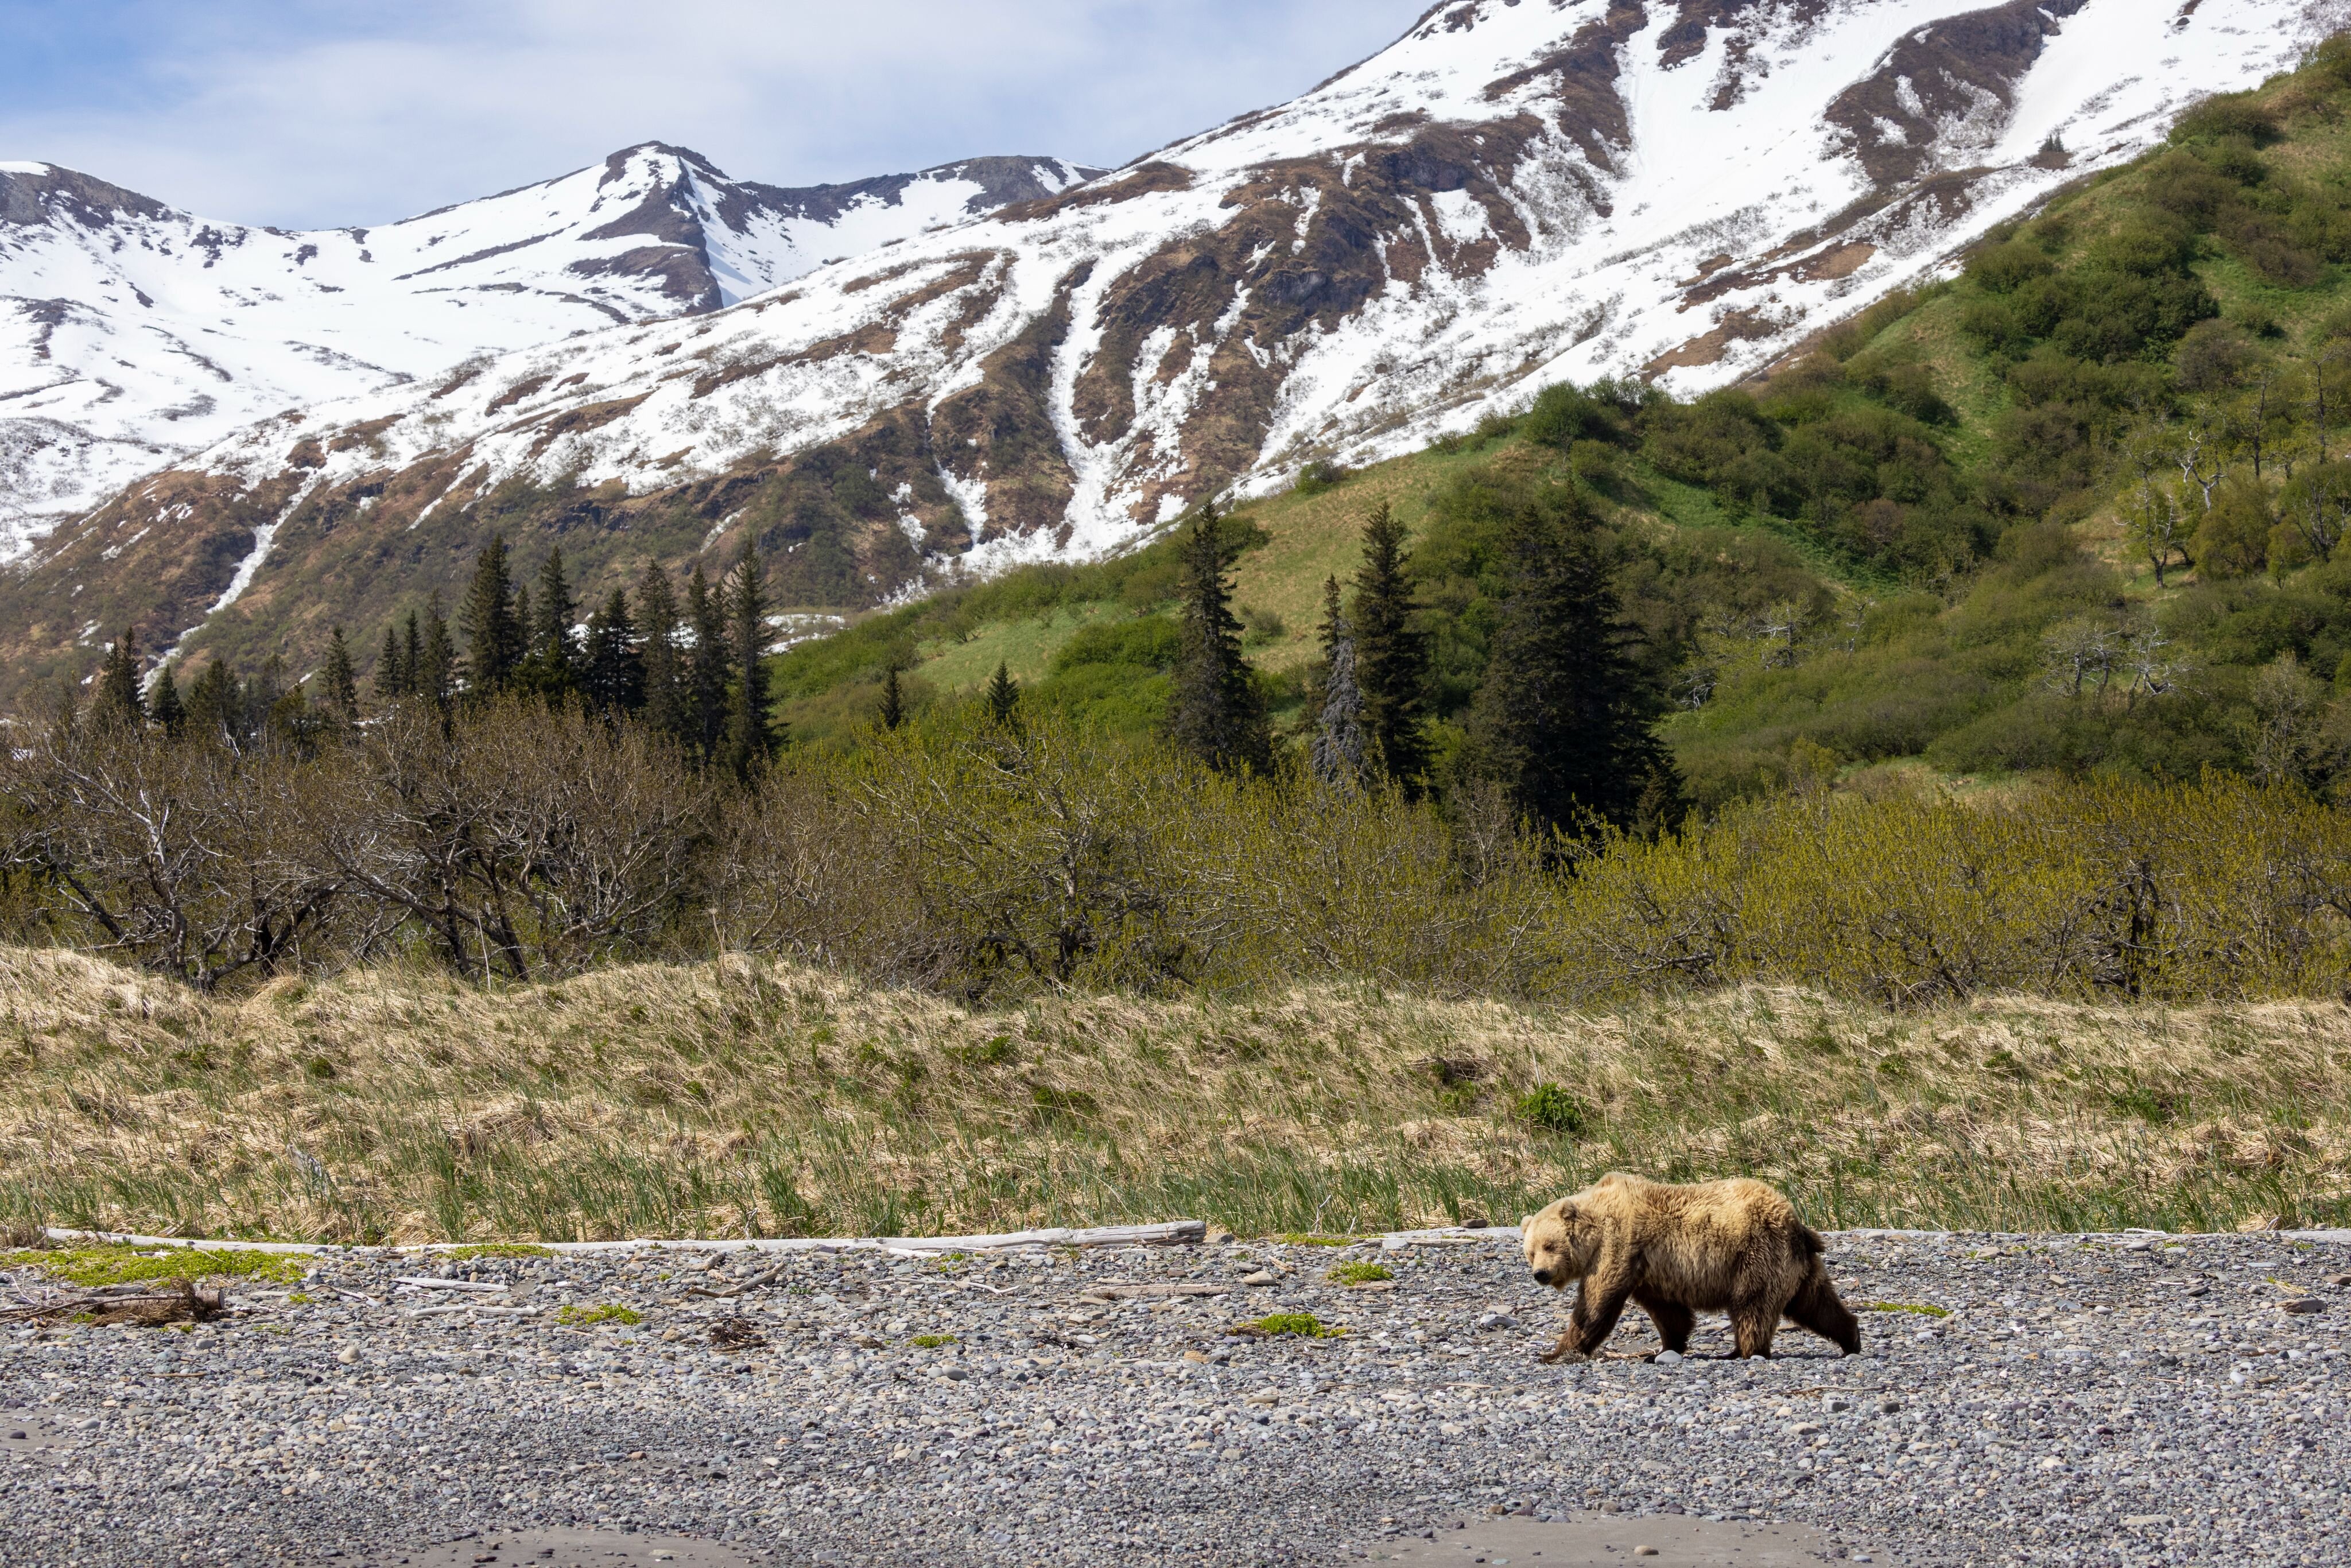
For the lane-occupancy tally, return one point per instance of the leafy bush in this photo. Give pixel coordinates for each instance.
(1553, 1109)
(1318, 476)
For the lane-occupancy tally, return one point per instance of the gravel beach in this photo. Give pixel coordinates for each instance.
(2122, 1399)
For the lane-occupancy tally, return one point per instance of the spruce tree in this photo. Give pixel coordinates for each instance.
(339, 688)
(494, 634)
(119, 702)
(665, 708)
(217, 705)
(169, 710)
(552, 666)
(435, 677)
(1003, 698)
(892, 712)
(274, 707)
(412, 660)
(706, 664)
(1561, 721)
(613, 665)
(1336, 757)
(1215, 712)
(751, 736)
(391, 680)
(1392, 661)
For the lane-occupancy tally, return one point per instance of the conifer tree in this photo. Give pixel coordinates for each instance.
(390, 682)
(1216, 712)
(217, 705)
(494, 632)
(119, 702)
(892, 712)
(552, 666)
(613, 665)
(435, 670)
(340, 687)
(412, 660)
(271, 707)
(1392, 663)
(1336, 757)
(169, 710)
(665, 708)
(1559, 720)
(1003, 698)
(706, 665)
(752, 735)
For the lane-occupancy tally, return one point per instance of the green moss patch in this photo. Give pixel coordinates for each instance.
(589, 1317)
(116, 1265)
(1300, 1325)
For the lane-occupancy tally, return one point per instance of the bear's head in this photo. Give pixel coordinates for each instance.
(1559, 1244)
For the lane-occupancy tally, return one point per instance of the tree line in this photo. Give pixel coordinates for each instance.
(693, 671)
(1560, 731)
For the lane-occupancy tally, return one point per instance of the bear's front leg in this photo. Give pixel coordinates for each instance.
(1599, 1302)
(1565, 1351)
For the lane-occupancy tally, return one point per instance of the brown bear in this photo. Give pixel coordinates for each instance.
(1733, 1247)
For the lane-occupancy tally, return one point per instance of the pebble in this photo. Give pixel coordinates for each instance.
(2186, 1421)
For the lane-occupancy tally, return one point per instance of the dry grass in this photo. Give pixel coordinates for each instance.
(731, 1098)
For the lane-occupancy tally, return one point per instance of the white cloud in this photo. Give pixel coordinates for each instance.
(269, 113)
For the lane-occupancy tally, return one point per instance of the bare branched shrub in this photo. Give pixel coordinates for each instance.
(987, 861)
(179, 858)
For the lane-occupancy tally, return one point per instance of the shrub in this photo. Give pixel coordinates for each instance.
(1319, 477)
(1553, 1109)
(1359, 1274)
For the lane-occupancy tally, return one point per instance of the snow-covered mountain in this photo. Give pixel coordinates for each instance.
(132, 334)
(1515, 193)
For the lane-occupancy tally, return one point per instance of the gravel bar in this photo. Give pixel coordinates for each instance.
(2077, 1400)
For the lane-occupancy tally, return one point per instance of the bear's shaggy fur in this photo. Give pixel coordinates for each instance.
(1733, 1247)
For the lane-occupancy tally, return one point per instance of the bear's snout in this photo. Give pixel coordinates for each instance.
(1542, 1276)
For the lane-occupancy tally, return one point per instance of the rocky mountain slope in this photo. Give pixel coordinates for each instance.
(132, 334)
(1515, 193)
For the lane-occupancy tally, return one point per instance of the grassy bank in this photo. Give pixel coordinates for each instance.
(735, 1097)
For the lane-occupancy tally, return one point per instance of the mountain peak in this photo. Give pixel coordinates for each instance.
(40, 194)
(131, 332)
(1512, 194)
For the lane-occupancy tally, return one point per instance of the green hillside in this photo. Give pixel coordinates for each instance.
(2075, 510)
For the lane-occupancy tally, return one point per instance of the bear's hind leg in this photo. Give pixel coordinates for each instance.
(1674, 1320)
(1753, 1326)
(1818, 1308)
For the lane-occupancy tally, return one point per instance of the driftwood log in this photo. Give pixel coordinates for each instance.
(189, 1304)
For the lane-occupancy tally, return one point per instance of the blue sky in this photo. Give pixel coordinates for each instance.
(311, 113)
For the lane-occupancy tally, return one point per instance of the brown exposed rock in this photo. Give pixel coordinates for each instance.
(1950, 66)
(1000, 432)
(1148, 180)
(580, 421)
(1583, 78)
(1708, 349)
(530, 386)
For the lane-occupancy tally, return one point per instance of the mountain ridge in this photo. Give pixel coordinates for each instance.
(134, 333)
(1513, 193)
